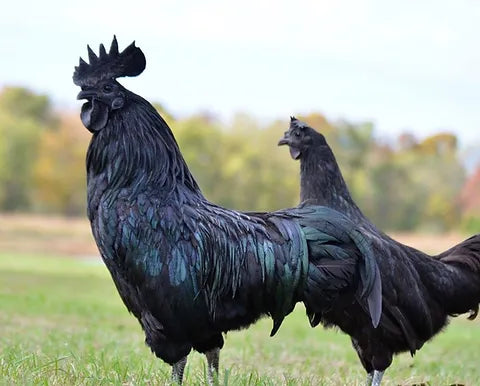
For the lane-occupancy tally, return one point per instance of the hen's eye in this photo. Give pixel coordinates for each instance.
(297, 134)
(107, 88)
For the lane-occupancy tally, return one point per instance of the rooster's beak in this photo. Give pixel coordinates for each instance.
(283, 141)
(86, 94)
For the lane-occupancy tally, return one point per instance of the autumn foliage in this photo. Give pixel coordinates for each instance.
(403, 184)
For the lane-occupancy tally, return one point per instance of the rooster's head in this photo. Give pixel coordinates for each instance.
(97, 79)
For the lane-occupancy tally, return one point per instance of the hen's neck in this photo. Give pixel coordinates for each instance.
(322, 183)
(137, 150)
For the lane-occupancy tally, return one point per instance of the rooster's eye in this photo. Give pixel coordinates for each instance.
(107, 88)
(297, 134)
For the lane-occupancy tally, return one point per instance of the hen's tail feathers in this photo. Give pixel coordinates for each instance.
(465, 255)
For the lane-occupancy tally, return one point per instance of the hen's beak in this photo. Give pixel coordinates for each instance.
(86, 94)
(283, 141)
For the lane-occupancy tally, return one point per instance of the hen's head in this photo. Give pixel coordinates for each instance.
(300, 138)
(97, 79)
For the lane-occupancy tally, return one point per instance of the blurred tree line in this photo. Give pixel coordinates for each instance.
(407, 185)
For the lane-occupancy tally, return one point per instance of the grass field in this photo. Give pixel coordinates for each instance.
(62, 323)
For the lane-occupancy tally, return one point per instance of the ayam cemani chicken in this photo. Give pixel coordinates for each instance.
(190, 270)
(419, 291)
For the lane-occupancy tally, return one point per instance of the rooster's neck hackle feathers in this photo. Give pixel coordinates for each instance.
(114, 64)
(138, 149)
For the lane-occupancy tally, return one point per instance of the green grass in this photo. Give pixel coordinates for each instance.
(62, 323)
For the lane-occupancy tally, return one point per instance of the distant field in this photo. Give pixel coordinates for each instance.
(63, 323)
(54, 235)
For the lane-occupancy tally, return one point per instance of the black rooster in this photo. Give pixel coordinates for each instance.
(419, 291)
(190, 270)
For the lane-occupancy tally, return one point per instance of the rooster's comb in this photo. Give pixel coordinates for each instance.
(129, 62)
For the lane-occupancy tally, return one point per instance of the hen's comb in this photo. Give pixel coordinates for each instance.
(297, 123)
(129, 62)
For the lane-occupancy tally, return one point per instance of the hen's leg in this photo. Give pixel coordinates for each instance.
(375, 358)
(213, 359)
(177, 370)
(377, 377)
(382, 359)
(365, 360)
(369, 379)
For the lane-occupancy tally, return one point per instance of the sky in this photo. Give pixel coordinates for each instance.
(403, 65)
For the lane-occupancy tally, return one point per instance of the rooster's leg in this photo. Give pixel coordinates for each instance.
(213, 358)
(177, 370)
(377, 378)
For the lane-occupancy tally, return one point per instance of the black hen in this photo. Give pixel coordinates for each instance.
(190, 270)
(419, 291)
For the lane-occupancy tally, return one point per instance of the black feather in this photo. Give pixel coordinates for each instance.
(417, 292)
(190, 270)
